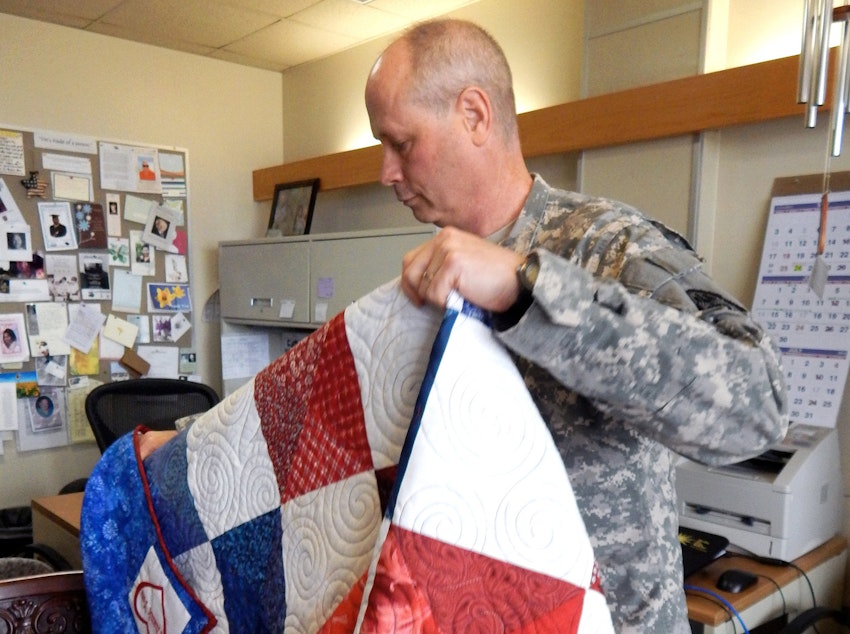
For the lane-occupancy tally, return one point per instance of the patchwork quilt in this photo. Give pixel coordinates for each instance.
(388, 474)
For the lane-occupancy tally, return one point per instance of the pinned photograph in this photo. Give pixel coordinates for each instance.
(13, 339)
(46, 415)
(94, 276)
(42, 420)
(47, 410)
(161, 226)
(113, 214)
(57, 226)
(63, 277)
(188, 361)
(16, 243)
(142, 255)
(162, 328)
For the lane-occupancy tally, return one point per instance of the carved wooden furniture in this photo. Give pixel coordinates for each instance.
(45, 603)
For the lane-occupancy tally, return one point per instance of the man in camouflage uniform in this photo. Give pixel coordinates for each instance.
(630, 351)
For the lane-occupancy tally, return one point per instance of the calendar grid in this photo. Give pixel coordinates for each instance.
(811, 331)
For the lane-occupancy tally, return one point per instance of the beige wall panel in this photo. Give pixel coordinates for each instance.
(654, 177)
(542, 40)
(604, 16)
(751, 157)
(667, 49)
(559, 170)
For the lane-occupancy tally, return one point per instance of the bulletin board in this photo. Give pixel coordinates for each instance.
(94, 282)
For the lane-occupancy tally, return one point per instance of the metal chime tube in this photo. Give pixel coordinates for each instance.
(804, 74)
(839, 105)
(820, 46)
(823, 51)
(847, 87)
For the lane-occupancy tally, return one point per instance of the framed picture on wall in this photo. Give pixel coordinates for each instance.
(292, 208)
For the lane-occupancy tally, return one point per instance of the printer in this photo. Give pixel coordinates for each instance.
(780, 504)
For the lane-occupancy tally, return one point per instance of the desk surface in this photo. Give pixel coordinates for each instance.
(62, 509)
(706, 610)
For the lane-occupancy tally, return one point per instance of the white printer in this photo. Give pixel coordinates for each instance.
(780, 504)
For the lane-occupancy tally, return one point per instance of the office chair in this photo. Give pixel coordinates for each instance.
(53, 602)
(811, 617)
(114, 409)
(15, 529)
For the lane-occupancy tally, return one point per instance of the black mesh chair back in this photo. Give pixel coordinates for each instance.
(114, 409)
(15, 529)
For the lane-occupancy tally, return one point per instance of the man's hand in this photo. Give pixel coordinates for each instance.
(153, 440)
(483, 273)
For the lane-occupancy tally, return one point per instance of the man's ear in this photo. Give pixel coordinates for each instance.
(475, 108)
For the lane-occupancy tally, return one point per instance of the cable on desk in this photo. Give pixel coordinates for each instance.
(778, 589)
(729, 607)
(770, 561)
(730, 618)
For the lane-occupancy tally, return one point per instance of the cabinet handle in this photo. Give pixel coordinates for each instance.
(262, 302)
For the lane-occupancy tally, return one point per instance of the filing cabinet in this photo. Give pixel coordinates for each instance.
(304, 281)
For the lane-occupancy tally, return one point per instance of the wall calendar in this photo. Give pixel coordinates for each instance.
(811, 330)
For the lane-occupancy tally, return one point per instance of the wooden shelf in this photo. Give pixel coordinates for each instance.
(748, 94)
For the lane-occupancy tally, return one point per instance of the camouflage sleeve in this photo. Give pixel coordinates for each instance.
(661, 348)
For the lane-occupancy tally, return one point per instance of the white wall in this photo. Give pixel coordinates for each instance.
(228, 117)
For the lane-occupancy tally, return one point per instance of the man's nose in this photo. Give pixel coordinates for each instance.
(390, 167)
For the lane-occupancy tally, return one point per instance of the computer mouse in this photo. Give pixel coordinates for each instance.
(734, 581)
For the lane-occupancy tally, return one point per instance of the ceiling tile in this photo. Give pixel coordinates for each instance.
(86, 10)
(268, 34)
(53, 18)
(415, 10)
(349, 18)
(247, 60)
(149, 38)
(290, 43)
(280, 8)
(197, 21)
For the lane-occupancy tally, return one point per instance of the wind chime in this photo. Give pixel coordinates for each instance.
(818, 17)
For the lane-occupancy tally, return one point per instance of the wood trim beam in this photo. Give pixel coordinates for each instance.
(748, 94)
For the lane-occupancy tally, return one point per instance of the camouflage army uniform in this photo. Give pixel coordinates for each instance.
(632, 353)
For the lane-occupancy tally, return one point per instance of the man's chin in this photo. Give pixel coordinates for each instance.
(422, 212)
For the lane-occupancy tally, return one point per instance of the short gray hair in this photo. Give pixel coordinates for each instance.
(447, 56)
